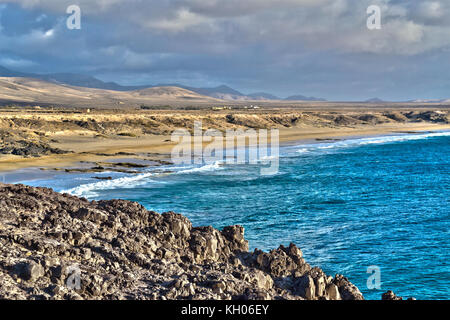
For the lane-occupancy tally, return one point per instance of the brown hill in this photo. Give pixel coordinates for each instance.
(34, 91)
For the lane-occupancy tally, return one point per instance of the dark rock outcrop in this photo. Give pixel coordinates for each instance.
(29, 148)
(391, 296)
(56, 246)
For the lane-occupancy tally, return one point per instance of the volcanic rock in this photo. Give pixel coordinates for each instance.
(57, 246)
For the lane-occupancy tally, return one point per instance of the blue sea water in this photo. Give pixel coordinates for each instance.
(352, 204)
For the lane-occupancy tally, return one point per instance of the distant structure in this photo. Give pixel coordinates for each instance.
(221, 108)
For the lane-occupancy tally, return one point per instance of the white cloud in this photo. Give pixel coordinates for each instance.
(41, 18)
(49, 33)
(16, 63)
(314, 44)
(431, 9)
(182, 20)
(316, 23)
(91, 6)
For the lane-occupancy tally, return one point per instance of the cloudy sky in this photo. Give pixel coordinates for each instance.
(320, 48)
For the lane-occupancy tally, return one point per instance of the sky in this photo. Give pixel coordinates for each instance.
(320, 48)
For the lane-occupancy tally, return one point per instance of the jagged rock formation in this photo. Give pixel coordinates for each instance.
(28, 148)
(56, 246)
(391, 296)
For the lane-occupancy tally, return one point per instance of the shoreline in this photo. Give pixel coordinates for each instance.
(158, 147)
(344, 136)
(105, 239)
(53, 165)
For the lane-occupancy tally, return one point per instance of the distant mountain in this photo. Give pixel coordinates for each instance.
(9, 73)
(430, 101)
(374, 100)
(222, 92)
(263, 96)
(80, 80)
(217, 92)
(32, 91)
(72, 79)
(303, 98)
(226, 93)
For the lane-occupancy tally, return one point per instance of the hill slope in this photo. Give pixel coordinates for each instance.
(220, 92)
(36, 91)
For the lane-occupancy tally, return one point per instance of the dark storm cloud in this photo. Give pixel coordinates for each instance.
(312, 47)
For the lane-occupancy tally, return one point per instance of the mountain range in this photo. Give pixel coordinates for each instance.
(39, 92)
(222, 92)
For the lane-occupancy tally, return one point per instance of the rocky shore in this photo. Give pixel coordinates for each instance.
(57, 246)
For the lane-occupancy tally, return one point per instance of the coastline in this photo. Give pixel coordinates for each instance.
(122, 252)
(158, 147)
(311, 137)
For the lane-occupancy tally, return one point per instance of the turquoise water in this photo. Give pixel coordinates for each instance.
(351, 204)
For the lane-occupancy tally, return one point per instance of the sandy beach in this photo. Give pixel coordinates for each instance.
(68, 139)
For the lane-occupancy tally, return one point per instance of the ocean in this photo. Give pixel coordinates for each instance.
(352, 206)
